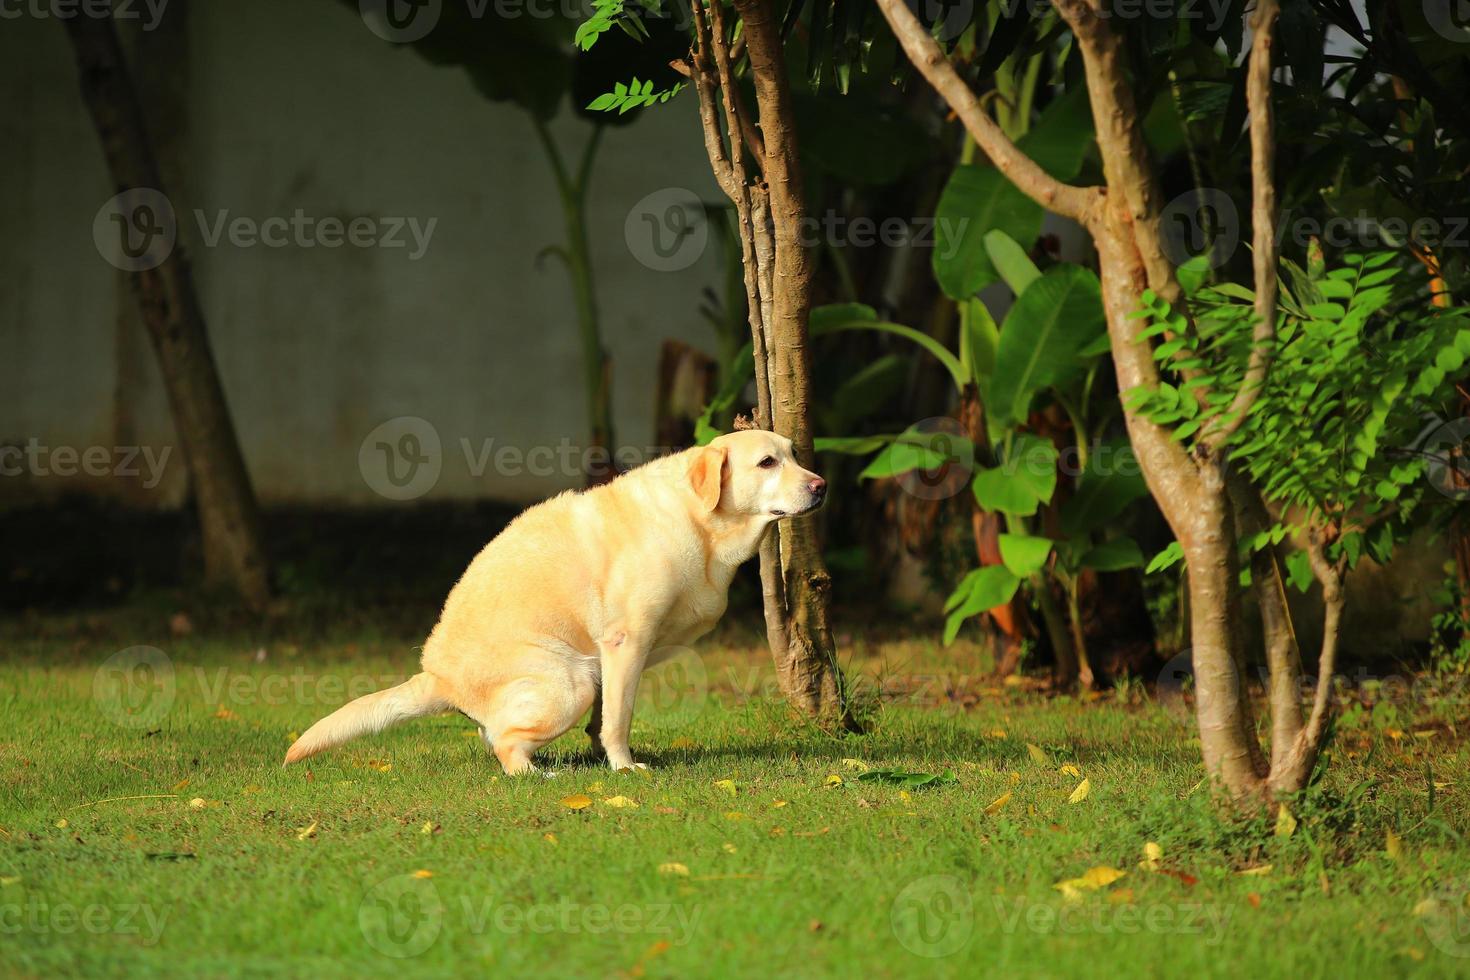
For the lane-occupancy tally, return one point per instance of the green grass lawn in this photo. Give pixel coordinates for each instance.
(146, 826)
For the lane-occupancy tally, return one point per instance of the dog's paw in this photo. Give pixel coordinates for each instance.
(628, 766)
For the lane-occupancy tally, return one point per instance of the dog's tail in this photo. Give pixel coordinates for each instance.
(422, 694)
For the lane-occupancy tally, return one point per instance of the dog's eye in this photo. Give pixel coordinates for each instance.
(767, 462)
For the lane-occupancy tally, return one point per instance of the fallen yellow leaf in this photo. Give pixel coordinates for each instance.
(777, 804)
(1037, 755)
(1080, 793)
(621, 802)
(1285, 822)
(1091, 880)
(421, 873)
(577, 801)
(1014, 777)
(62, 824)
(997, 733)
(1152, 855)
(727, 785)
(833, 780)
(1255, 872)
(674, 868)
(736, 815)
(1393, 845)
(998, 802)
(1070, 770)
(549, 838)
(857, 764)
(307, 831)
(904, 795)
(196, 803)
(180, 785)
(728, 847)
(427, 828)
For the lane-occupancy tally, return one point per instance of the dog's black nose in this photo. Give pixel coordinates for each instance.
(818, 487)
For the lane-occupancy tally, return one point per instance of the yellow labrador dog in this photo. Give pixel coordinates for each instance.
(564, 609)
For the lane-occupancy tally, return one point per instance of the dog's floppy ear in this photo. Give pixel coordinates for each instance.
(707, 474)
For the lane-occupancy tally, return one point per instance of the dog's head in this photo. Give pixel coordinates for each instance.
(755, 474)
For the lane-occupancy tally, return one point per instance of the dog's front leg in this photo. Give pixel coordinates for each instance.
(623, 653)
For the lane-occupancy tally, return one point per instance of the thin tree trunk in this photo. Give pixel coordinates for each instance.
(228, 517)
(778, 272)
(1124, 220)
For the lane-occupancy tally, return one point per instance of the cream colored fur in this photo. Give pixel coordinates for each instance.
(564, 609)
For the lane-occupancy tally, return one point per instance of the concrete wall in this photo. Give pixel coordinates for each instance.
(275, 106)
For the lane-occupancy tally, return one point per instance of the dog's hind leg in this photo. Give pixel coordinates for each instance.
(531, 711)
(594, 726)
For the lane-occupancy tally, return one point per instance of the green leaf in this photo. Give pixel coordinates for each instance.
(951, 363)
(1168, 558)
(1026, 479)
(1060, 138)
(902, 457)
(1011, 261)
(1057, 316)
(1024, 554)
(1114, 555)
(908, 780)
(1299, 570)
(978, 199)
(979, 339)
(989, 587)
(1111, 481)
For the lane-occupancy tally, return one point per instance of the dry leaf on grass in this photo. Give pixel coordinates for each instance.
(577, 801)
(621, 802)
(997, 803)
(727, 786)
(674, 868)
(1090, 881)
(1080, 793)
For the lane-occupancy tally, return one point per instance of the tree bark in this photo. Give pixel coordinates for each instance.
(1190, 487)
(770, 210)
(228, 516)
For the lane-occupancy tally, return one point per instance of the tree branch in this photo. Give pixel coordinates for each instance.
(1054, 195)
(1263, 223)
